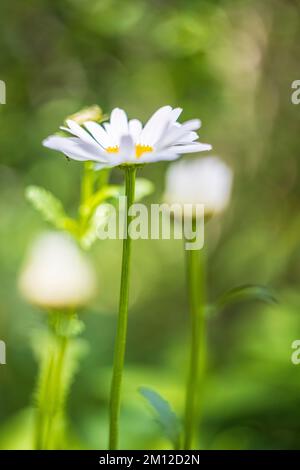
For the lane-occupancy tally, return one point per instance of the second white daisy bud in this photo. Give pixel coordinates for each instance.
(206, 181)
(92, 113)
(56, 274)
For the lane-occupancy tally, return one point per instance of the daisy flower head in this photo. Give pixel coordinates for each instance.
(206, 181)
(56, 274)
(125, 142)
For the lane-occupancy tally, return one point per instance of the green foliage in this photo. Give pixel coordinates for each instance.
(221, 62)
(94, 212)
(65, 324)
(58, 356)
(101, 211)
(49, 207)
(244, 293)
(99, 219)
(165, 416)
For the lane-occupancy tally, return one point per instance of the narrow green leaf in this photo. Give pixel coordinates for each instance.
(48, 205)
(244, 293)
(164, 414)
(98, 220)
(104, 194)
(99, 211)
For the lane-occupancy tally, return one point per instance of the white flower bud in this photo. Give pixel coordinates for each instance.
(92, 113)
(56, 274)
(205, 181)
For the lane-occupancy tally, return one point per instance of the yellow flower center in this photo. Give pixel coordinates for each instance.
(139, 149)
(114, 149)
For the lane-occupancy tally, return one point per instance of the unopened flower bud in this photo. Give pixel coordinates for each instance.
(91, 113)
(206, 181)
(56, 274)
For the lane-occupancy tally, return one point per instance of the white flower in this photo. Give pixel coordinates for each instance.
(120, 141)
(92, 113)
(205, 181)
(56, 274)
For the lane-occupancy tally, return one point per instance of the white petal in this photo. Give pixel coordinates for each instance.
(77, 130)
(113, 137)
(192, 124)
(190, 137)
(111, 164)
(127, 148)
(156, 126)
(99, 134)
(135, 129)
(74, 148)
(164, 155)
(175, 114)
(119, 122)
(191, 148)
(176, 133)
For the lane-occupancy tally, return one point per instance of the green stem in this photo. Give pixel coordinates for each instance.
(120, 344)
(51, 392)
(46, 371)
(87, 183)
(196, 292)
(56, 404)
(91, 196)
(87, 190)
(103, 177)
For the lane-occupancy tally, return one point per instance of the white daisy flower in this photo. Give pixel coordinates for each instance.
(206, 181)
(56, 274)
(122, 141)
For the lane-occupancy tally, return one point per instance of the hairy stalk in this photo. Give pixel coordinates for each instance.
(120, 343)
(196, 293)
(52, 383)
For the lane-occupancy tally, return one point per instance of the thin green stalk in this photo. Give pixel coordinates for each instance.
(87, 190)
(87, 183)
(196, 292)
(120, 344)
(56, 404)
(102, 178)
(50, 390)
(46, 371)
(94, 190)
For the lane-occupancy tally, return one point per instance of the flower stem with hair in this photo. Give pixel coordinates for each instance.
(196, 369)
(120, 344)
(54, 380)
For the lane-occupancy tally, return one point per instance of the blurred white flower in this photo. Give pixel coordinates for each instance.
(205, 181)
(92, 113)
(56, 274)
(127, 142)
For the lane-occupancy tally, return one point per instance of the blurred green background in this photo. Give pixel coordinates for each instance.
(231, 63)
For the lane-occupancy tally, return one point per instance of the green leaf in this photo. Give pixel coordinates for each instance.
(101, 196)
(143, 188)
(98, 211)
(49, 207)
(244, 293)
(98, 220)
(65, 324)
(165, 416)
(46, 346)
